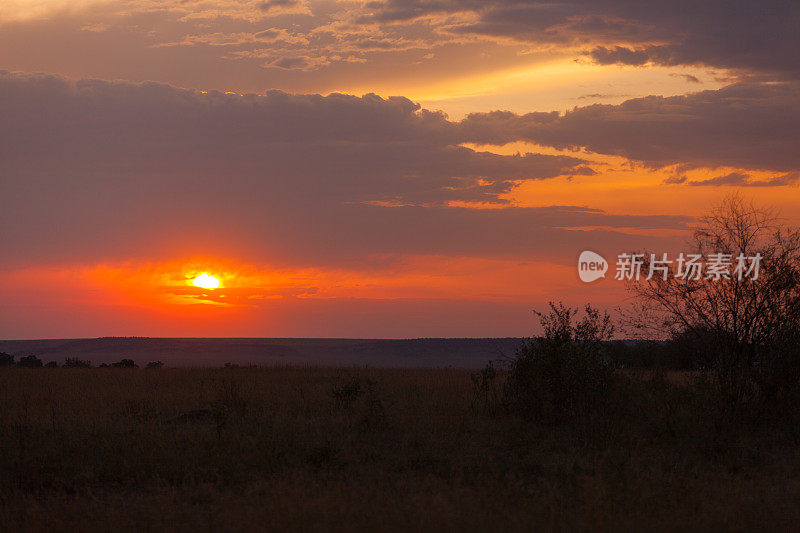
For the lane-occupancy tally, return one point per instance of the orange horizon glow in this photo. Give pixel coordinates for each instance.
(159, 299)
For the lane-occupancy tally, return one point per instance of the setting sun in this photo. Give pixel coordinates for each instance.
(205, 281)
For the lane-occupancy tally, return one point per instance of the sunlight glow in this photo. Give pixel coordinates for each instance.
(205, 281)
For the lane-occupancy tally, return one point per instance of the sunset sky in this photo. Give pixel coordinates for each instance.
(399, 168)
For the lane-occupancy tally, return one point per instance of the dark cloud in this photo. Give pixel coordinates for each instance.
(251, 45)
(733, 178)
(743, 179)
(619, 54)
(687, 77)
(675, 180)
(752, 36)
(749, 125)
(593, 96)
(355, 149)
(96, 170)
(298, 62)
(278, 4)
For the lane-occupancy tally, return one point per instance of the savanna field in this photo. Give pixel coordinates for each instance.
(362, 448)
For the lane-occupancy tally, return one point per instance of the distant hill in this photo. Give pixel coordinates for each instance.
(404, 353)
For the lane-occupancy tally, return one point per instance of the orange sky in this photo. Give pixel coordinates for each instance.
(145, 143)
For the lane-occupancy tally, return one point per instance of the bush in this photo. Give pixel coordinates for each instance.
(486, 398)
(154, 364)
(125, 363)
(359, 397)
(74, 362)
(776, 371)
(231, 406)
(743, 328)
(347, 391)
(30, 361)
(6, 359)
(564, 374)
(51, 364)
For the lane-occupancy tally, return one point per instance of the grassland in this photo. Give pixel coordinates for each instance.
(343, 449)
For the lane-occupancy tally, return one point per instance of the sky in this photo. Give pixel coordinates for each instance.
(396, 168)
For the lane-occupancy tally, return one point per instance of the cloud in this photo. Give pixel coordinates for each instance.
(276, 36)
(753, 37)
(593, 96)
(745, 125)
(619, 54)
(283, 6)
(675, 180)
(316, 45)
(296, 62)
(95, 171)
(743, 179)
(688, 77)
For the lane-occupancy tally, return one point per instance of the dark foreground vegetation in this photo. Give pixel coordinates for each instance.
(276, 448)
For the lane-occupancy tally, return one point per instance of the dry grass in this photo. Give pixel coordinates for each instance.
(278, 448)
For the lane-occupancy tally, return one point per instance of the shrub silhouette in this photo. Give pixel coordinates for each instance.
(562, 375)
(52, 364)
(6, 359)
(231, 405)
(483, 382)
(30, 361)
(154, 364)
(74, 362)
(360, 399)
(125, 363)
(777, 372)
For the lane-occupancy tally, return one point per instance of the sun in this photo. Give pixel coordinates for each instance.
(205, 281)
